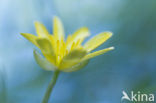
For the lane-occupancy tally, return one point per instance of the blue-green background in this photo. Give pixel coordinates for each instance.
(131, 66)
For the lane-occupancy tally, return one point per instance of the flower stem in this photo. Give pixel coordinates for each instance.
(51, 86)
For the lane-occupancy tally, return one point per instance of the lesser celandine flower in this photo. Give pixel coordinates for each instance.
(65, 55)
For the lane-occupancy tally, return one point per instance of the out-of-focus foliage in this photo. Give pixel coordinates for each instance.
(131, 66)
(3, 91)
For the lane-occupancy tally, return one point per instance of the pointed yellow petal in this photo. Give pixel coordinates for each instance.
(78, 36)
(91, 55)
(41, 30)
(47, 49)
(58, 29)
(76, 67)
(43, 63)
(97, 41)
(30, 37)
(52, 40)
(72, 58)
(82, 33)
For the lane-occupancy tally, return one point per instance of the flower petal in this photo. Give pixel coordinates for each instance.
(47, 49)
(79, 35)
(72, 58)
(76, 67)
(43, 63)
(58, 29)
(41, 30)
(97, 41)
(30, 37)
(91, 55)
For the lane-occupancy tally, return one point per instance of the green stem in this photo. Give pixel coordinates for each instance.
(50, 86)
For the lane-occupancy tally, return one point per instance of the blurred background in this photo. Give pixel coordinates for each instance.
(130, 67)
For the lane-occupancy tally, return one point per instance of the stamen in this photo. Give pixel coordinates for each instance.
(73, 45)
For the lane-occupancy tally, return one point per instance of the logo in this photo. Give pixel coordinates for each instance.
(137, 97)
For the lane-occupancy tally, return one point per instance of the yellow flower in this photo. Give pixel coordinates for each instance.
(65, 55)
